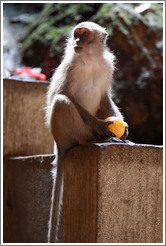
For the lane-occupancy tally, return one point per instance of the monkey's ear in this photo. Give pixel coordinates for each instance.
(104, 35)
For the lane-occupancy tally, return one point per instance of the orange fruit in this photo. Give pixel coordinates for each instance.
(117, 127)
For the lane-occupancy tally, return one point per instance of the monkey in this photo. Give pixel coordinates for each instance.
(79, 98)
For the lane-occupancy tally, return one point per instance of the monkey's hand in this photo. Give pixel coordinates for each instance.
(125, 135)
(98, 126)
(101, 128)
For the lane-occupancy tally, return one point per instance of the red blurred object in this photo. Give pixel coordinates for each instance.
(28, 71)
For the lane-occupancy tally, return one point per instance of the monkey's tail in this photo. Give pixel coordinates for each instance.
(54, 226)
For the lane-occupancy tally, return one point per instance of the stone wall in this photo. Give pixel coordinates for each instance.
(112, 194)
(24, 129)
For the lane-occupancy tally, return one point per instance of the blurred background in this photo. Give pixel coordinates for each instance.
(34, 35)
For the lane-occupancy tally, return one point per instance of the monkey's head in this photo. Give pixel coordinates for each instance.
(88, 37)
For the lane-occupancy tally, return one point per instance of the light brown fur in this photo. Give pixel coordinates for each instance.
(79, 98)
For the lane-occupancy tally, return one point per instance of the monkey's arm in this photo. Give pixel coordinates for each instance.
(97, 125)
(109, 108)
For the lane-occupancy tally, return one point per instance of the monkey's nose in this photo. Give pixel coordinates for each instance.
(77, 45)
(77, 40)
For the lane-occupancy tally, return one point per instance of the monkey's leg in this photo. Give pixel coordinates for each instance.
(67, 128)
(67, 125)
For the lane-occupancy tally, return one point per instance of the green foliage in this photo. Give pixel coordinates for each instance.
(153, 17)
(55, 23)
(56, 20)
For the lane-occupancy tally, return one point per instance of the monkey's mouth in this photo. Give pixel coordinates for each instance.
(77, 48)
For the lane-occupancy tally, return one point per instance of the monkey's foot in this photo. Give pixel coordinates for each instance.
(117, 140)
(113, 140)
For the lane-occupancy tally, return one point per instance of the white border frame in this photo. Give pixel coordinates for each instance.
(97, 1)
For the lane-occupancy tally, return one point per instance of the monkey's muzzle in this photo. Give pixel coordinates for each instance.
(77, 45)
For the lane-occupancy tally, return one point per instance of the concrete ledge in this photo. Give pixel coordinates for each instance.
(24, 130)
(27, 194)
(112, 194)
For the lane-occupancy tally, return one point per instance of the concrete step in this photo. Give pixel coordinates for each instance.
(24, 129)
(27, 195)
(113, 193)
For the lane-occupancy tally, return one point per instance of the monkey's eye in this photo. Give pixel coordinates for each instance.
(76, 35)
(104, 36)
(81, 32)
(85, 34)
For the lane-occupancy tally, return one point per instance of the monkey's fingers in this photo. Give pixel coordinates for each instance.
(101, 128)
(126, 133)
(108, 133)
(108, 122)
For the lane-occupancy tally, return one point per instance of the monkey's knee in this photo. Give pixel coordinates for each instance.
(59, 101)
(66, 123)
(59, 111)
(59, 108)
(61, 120)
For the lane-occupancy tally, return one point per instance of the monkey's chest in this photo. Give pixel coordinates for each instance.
(89, 97)
(90, 89)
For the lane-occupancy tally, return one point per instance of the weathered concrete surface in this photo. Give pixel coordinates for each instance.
(112, 194)
(130, 195)
(24, 130)
(27, 195)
